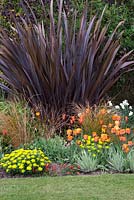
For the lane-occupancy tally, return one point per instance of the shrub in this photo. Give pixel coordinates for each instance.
(63, 66)
(24, 162)
(56, 149)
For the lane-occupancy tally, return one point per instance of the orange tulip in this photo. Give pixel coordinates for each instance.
(122, 131)
(104, 137)
(69, 138)
(94, 134)
(117, 132)
(130, 143)
(75, 132)
(126, 150)
(78, 130)
(122, 138)
(124, 146)
(96, 139)
(85, 137)
(69, 132)
(113, 130)
(116, 118)
(128, 130)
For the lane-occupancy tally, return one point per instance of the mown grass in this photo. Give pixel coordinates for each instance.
(102, 187)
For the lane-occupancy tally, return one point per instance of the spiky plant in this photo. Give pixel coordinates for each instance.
(116, 160)
(130, 158)
(55, 68)
(87, 162)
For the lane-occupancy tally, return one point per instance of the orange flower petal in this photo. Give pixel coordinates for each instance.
(122, 131)
(130, 143)
(94, 134)
(69, 132)
(85, 137)
(69, 138)
(128, 130)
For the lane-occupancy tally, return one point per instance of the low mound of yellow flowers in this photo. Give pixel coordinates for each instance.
(23, 161)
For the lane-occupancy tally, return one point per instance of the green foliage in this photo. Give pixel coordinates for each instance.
(117, 160)
(5, 143)
(56, 149)
(24, 162)
(130, 158)
(101, 187)
(87, 162)
(115, 13)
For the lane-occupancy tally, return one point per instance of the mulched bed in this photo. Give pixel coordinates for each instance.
(57, 172)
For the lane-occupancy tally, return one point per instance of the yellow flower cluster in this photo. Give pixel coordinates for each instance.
(24, 161)
(94, 144)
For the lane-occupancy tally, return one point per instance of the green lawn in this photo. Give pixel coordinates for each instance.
(103, 187)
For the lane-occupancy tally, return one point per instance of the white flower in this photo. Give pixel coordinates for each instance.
(110, 103)
(117, 107)
(125, 103)
(130, 107)
(122, 106)
(130, 113)
(79, 114)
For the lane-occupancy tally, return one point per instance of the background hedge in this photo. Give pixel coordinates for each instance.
(116, 11)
